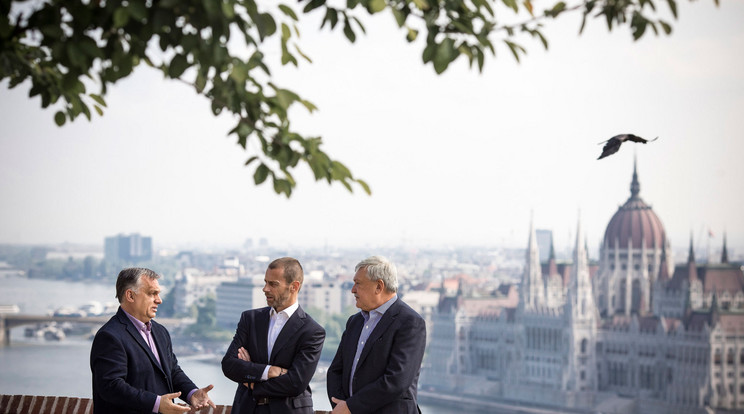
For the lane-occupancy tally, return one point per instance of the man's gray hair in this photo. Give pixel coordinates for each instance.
(129, 278)
(380, 268)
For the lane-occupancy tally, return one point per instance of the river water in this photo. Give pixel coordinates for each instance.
(33, 366)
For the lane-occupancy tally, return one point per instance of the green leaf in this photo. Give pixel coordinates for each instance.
(60, 118)
(512, 4)
(364, 186)
(515, 49)
(200, 83)
(177, 66)
(239, 72)
(307, 58)
(349, 32)
(666, 27)
(121, 17)
(282, 186)
(76, 56)
(376, 6)
(265, 24)
(285, 98)
(421, 4)
(445, 54)
(98, 99)
(288, 11)
(673, 7)
(251, 159)
(412, 34)
(262, 172)
(400, 16)
(313, 4)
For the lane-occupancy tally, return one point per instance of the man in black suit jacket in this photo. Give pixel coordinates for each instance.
(377, 364)
(132, 361)
(276, 349)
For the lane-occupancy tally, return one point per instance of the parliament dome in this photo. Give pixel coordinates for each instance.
(635, 222)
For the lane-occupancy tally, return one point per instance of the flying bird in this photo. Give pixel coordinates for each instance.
(613, 144)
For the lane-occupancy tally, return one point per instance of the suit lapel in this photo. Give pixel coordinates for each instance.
(262, 334)
(158, 335)
(355, 330)
(293, 324)
(132, 330)
(382, 326)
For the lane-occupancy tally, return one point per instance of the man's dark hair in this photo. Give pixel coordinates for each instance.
(292, 269)
(129, 278)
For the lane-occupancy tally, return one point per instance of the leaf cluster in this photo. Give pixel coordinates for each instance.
(63, 48)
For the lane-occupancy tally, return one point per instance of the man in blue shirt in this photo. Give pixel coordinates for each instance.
(377, 364)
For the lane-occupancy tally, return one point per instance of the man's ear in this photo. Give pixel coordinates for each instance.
(380, 286)
(295, 285)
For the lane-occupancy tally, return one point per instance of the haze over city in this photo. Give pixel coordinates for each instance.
(457, 159)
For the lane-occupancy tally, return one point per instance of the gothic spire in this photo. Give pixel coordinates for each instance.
(724, 254)
(691, 254)
(533, 290)
(635, 186)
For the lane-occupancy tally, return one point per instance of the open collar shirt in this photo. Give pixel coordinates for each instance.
(371, 319)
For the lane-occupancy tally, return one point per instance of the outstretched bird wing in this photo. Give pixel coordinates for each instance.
(612, 145)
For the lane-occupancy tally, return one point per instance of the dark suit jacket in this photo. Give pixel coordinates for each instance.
(297, 348)
(386, 376)
(126, 375)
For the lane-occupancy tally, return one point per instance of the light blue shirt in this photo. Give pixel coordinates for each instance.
(371, 319)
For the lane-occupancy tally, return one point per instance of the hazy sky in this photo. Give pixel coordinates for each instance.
(456, 159)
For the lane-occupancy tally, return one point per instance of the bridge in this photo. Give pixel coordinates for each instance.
(10, 321)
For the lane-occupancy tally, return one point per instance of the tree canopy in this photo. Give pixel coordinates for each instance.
(66, 48)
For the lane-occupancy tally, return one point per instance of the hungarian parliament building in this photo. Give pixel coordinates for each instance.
(634, 334)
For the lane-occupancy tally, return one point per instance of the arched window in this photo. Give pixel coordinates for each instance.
(583, 345)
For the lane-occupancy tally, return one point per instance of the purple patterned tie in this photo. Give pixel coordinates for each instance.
(151, 342)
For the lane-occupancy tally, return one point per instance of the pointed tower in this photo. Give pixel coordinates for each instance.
(691, 265)
(533, 288)
(581, 315)
(692, 281)
(724, 254)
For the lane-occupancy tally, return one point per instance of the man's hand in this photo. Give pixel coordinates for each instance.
(275, 371)
(167, 406)
(200, 399)
(243, 354)
(340, 407)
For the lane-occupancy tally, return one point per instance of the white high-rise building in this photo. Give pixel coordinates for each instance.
(235, 297)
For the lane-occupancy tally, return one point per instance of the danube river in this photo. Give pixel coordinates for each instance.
(36, 367)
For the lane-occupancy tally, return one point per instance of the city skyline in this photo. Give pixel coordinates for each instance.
(460, 159)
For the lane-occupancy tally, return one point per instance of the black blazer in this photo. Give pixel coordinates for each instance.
(386, 376)
(126, 375)
(297, 348)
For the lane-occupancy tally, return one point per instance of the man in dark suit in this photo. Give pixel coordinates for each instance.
(276, 349)
(377, 364)
(132, 361)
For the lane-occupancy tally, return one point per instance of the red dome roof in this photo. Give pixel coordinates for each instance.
(636, 222)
